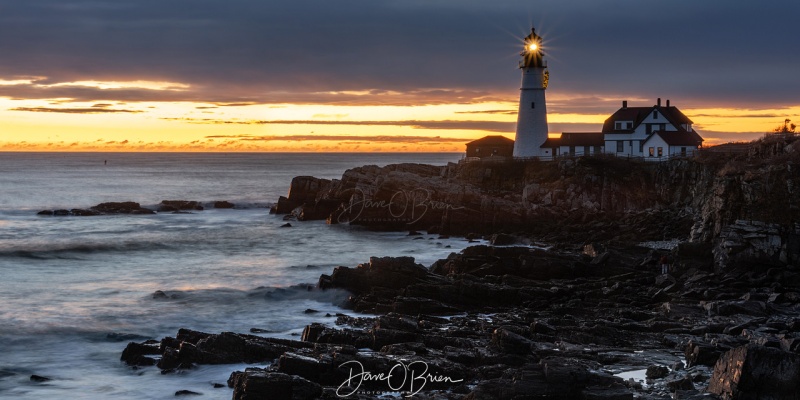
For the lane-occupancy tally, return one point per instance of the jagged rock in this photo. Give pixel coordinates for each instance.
(386, 272)
(83, 213)
(135, 354)
(187, 393)
(684, 383)
(656, 372)
(125, 207)
(502, 239)
(45, 212)
(179, 205)
(258, 384)
(223, 204)
(510, 342)
(751, 371)
(60, 213)
(39, 379)
(701, 354)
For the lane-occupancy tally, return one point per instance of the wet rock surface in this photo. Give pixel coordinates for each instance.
(505, 322)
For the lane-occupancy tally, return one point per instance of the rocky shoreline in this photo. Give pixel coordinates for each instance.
(589, 317)
(564, 326)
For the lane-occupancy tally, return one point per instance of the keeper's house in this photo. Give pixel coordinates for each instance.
(490, 147)
(655, 133)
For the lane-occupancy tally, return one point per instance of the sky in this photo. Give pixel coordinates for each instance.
(378, 75)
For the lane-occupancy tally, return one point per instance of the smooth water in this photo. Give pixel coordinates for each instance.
(75, 290)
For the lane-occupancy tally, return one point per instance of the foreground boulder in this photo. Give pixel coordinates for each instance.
(257, 384)
(757, 372)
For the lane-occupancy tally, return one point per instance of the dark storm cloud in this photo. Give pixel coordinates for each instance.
(725, 53)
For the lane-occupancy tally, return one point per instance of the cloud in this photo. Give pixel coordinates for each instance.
(86, 110)
(362, 139)
(491, 126)
(270, 52)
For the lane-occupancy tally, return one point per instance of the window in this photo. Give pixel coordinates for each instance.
(629, 125)
(662, 127)
(572, 150)
(597, 150)
(660, 151)
(620, 146)
(683, 151)
(618, 126)
(655, 114)
(585, 149)
(641, 146)
(652, 151)
(533, 105)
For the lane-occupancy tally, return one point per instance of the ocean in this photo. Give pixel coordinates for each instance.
(75, 290)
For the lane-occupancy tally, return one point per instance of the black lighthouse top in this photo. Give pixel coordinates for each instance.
(532, 54)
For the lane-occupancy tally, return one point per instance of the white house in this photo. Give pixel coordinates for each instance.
(654, 133)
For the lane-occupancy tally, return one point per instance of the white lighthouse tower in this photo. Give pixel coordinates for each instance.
(532, 116)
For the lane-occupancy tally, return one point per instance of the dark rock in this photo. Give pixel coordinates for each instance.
(60, 213)
(258, 384)
(223, 204)
(751, 371)
(159, 294)
(83, 213)
(614, 392)
(701, 354)
(510, 342)
(39, 379)
(179, 205)
(218, 385)
(656, 372)
(187, 393)
(45, 212)
(311, 332)
(542, 328)
(684, 383)
(310, 311)
(286, 225)
(135, 354)
(125, 207)
(502, 239)
(283, 206)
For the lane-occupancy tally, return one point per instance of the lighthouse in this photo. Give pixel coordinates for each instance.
(532, 115)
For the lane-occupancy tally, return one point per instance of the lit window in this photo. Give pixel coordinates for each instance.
(652, 151)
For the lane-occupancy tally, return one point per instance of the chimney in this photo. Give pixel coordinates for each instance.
(659, 102)
(624, 104)
(667, 103)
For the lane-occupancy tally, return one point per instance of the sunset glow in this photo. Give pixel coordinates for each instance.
(123, 78)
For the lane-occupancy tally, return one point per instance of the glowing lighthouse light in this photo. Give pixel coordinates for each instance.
(532, 115)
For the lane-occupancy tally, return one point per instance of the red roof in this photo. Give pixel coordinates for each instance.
(576, 139)
(678, 138)
(492, 140)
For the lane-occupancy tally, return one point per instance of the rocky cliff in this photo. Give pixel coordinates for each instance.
(746, 203)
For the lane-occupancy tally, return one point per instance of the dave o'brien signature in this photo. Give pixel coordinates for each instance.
(414, 373)
(417, 201)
